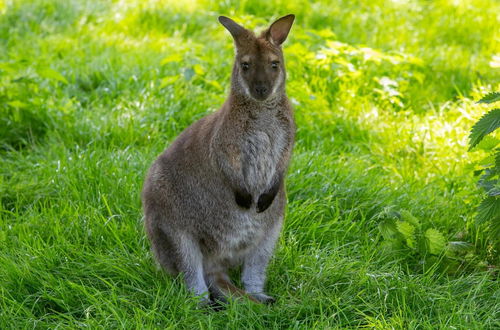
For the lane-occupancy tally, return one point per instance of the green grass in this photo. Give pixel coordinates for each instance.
(92, 91)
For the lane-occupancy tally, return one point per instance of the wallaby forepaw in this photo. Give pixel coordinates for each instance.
(243, 199)
(264, 202)
(263, 298)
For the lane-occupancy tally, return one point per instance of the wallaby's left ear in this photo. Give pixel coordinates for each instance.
(278, 31)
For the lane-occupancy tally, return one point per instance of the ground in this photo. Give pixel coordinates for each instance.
(380, 228)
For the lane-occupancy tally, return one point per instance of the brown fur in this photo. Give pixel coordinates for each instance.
(215, 198)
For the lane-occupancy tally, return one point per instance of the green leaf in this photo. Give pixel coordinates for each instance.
(490, 98)
(408, 231)
(488, 182)
(487, 161)
(392, 246)
(488, 143)
(484, 126)
(198, 69)
(17, 104)
(435, 240)
(497, 161)
(489, 210)
(215, 84)
(52, 74)
(169, 81)
(7, 68)
(388, 229)
(171, 58)
(407, 216)
(495, 190)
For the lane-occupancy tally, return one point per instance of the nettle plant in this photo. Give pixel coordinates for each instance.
(488, 211)
(406, 237)
(422, 246)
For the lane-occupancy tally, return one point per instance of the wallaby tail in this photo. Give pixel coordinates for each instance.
(227, 288)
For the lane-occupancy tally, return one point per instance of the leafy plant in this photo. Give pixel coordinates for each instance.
(407, 237)
(423, 247)
(488, 211)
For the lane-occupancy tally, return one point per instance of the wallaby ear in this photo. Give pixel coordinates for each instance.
(234, 28)
(278, 31)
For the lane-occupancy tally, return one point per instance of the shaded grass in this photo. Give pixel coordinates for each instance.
(383, 96)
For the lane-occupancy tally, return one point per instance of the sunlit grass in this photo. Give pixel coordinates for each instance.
(92, 91)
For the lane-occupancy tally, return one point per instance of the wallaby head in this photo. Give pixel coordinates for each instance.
(259, 68)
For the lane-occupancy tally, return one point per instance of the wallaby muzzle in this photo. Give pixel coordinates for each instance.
(260, 91)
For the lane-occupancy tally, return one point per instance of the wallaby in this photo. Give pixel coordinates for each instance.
(215, 198)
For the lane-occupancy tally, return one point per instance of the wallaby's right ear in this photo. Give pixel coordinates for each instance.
(234, 28)
(278, 31)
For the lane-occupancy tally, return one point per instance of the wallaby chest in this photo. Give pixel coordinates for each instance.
(262, 145)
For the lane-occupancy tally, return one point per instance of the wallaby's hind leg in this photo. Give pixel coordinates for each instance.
(190, 263)
(216, 293)
(162, 248)
(180, 255)
(255, 265)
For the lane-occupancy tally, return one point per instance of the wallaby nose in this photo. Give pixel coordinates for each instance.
(261, 90)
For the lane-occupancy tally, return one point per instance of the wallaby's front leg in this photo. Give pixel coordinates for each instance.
(230, 164)
(255, 265)
(266, 199)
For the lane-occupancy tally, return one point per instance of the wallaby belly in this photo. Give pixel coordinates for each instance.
(246, 232)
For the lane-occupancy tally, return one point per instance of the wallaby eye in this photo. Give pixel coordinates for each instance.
(245, 66)
(274, 64)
